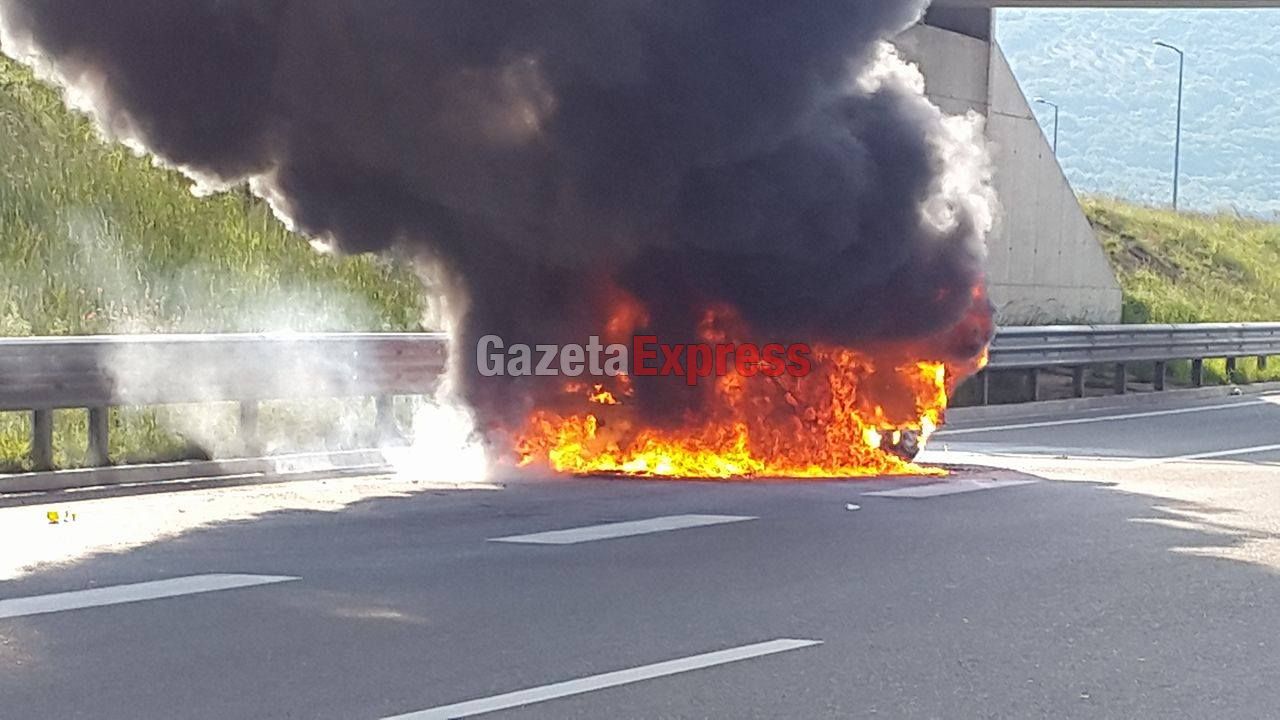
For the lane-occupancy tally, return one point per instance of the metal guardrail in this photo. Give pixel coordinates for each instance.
(1082, 346)
(99, 372)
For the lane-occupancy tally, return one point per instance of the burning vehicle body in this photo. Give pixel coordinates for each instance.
(697, 170)
(856, 413)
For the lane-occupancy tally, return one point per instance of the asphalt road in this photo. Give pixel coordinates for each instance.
(1101, 573)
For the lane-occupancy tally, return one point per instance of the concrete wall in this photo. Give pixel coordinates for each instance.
(966, 21)
(1044, 263)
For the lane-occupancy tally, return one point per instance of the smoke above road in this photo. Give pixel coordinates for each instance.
(557, 160)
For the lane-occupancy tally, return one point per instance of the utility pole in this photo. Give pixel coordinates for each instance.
(1177, 143)
(1055, 107)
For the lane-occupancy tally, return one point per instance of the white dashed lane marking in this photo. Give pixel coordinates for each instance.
(610, 531)
(949, 432)
(1209, 455)
(950, 487)
(135, 592)
(607, 680)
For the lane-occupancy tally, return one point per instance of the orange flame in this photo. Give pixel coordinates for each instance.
(602, 396)
(823, 425)
(849, 417)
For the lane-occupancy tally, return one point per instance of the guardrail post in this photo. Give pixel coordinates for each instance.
(42, 439)
(99, 421)
(1077, 381)
(1121, 380)
(249, 426)
(1262, 362)
(1231, 369)
(1033, 384)
(385, 423)
(1161, 371)
(1197, 372)
(984, 387)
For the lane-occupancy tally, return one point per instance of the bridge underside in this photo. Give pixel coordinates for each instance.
(1163, 4)
(1044, 262)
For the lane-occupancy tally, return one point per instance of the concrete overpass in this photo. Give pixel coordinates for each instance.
(1110, 4)
(1045, 264)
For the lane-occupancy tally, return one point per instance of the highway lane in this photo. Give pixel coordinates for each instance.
(1125, 585)
(1168, 429)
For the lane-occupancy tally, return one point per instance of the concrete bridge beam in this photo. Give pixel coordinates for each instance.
(1044, 263)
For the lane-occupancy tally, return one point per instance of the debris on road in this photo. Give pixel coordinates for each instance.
(60, 518)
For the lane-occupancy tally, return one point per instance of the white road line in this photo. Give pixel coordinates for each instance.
(951, 487)
(621, 529)
(607, 680)
(1146, 462)
(136, 592)
(1103, 418)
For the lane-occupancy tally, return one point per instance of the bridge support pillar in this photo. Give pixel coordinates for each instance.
(99, 447)
(1044, 262)
(249, 426)
(385, 422)
(42, 440)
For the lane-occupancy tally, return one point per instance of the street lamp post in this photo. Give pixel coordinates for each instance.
(1055, 107)
(1177, 143)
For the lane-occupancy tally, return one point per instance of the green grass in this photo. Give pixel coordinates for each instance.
(1190, 267)
(98, 240)
(1181, 267)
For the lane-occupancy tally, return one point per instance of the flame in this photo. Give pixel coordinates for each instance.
(852, 416)
(825, 425)
(602, 396)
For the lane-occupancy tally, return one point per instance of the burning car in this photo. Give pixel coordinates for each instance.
(903, 443)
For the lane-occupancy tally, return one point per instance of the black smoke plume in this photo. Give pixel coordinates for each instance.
(550, 155)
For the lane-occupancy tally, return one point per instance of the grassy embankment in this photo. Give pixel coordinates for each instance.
(96, 240)
(1193, 267)
(1178, 267)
